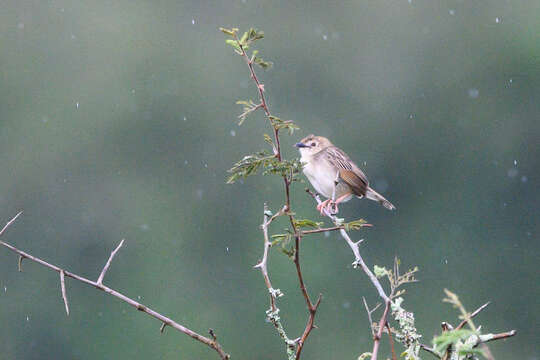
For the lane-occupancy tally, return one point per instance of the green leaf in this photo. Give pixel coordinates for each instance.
(262, 63)
(278, 124)
(268, 140)
(380, 271)
(306, 223)
(234, 44)
(248, 107)
(249, 165)
(354, 225)
(231, 32)
(243, 39)
(453, 337)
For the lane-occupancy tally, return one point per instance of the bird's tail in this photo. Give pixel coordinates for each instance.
(375, 196)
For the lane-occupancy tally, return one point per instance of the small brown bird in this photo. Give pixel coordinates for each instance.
(325, 165)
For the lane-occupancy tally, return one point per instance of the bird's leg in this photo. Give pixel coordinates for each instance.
(334, 204)
(323, 205)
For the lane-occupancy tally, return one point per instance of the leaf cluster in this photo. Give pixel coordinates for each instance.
(242, 44)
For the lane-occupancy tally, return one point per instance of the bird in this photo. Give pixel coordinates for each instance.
(334, 175)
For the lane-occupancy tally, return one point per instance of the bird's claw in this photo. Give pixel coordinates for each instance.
(329, 205)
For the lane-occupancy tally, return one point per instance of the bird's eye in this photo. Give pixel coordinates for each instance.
(313, 144)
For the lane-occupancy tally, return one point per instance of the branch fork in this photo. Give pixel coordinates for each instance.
(212, 343)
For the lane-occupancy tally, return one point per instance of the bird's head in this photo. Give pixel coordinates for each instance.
(312, 144)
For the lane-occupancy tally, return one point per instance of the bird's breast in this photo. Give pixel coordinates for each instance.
(322, 177)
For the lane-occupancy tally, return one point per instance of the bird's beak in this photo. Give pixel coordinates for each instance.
(301, 145)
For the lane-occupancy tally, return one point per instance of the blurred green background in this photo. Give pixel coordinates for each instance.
(118, 120)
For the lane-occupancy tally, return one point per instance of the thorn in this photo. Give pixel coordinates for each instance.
(20, 262)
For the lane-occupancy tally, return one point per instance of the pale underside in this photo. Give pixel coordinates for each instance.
(323, 173)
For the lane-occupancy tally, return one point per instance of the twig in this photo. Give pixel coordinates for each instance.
(377, 337)
(143, 308)
(391, 342)
(19, 264)
(356, 251)
(315, 231)
(359, 261)
(369, 315)
(476, 312)
(312, 307)
(108, 263)
(491, 337)
(430, 350)
(63, 287)
(262, 265)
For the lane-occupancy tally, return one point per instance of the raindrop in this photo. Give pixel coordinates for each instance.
(77, 104)
(446, 261)
(233, 133)
(365, 163)
(227, 248)
(515, 162)
(27, 318)
(206, 165)
(497, 20)
(510, 81)
(473, 93)
(185, 162)
(5, 289)
(185, 119)
(100, 314)
(138, 297)
(325, 37)
(73, 37)
(411, 116)
(452, 12)
(410, 1)
(327, 234)
(193, 21)
(133, 91)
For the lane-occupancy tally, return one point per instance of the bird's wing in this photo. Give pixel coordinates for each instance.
(348, 171)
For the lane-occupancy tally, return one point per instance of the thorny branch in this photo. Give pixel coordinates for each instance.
(212, 343)
(360, 262)
(312, 306)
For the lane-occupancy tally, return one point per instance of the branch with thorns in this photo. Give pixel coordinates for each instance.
(98, 284)
(294, 347)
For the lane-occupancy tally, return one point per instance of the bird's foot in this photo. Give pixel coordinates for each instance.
(328, 205)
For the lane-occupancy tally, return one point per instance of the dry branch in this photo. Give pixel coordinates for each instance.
(212, 343)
